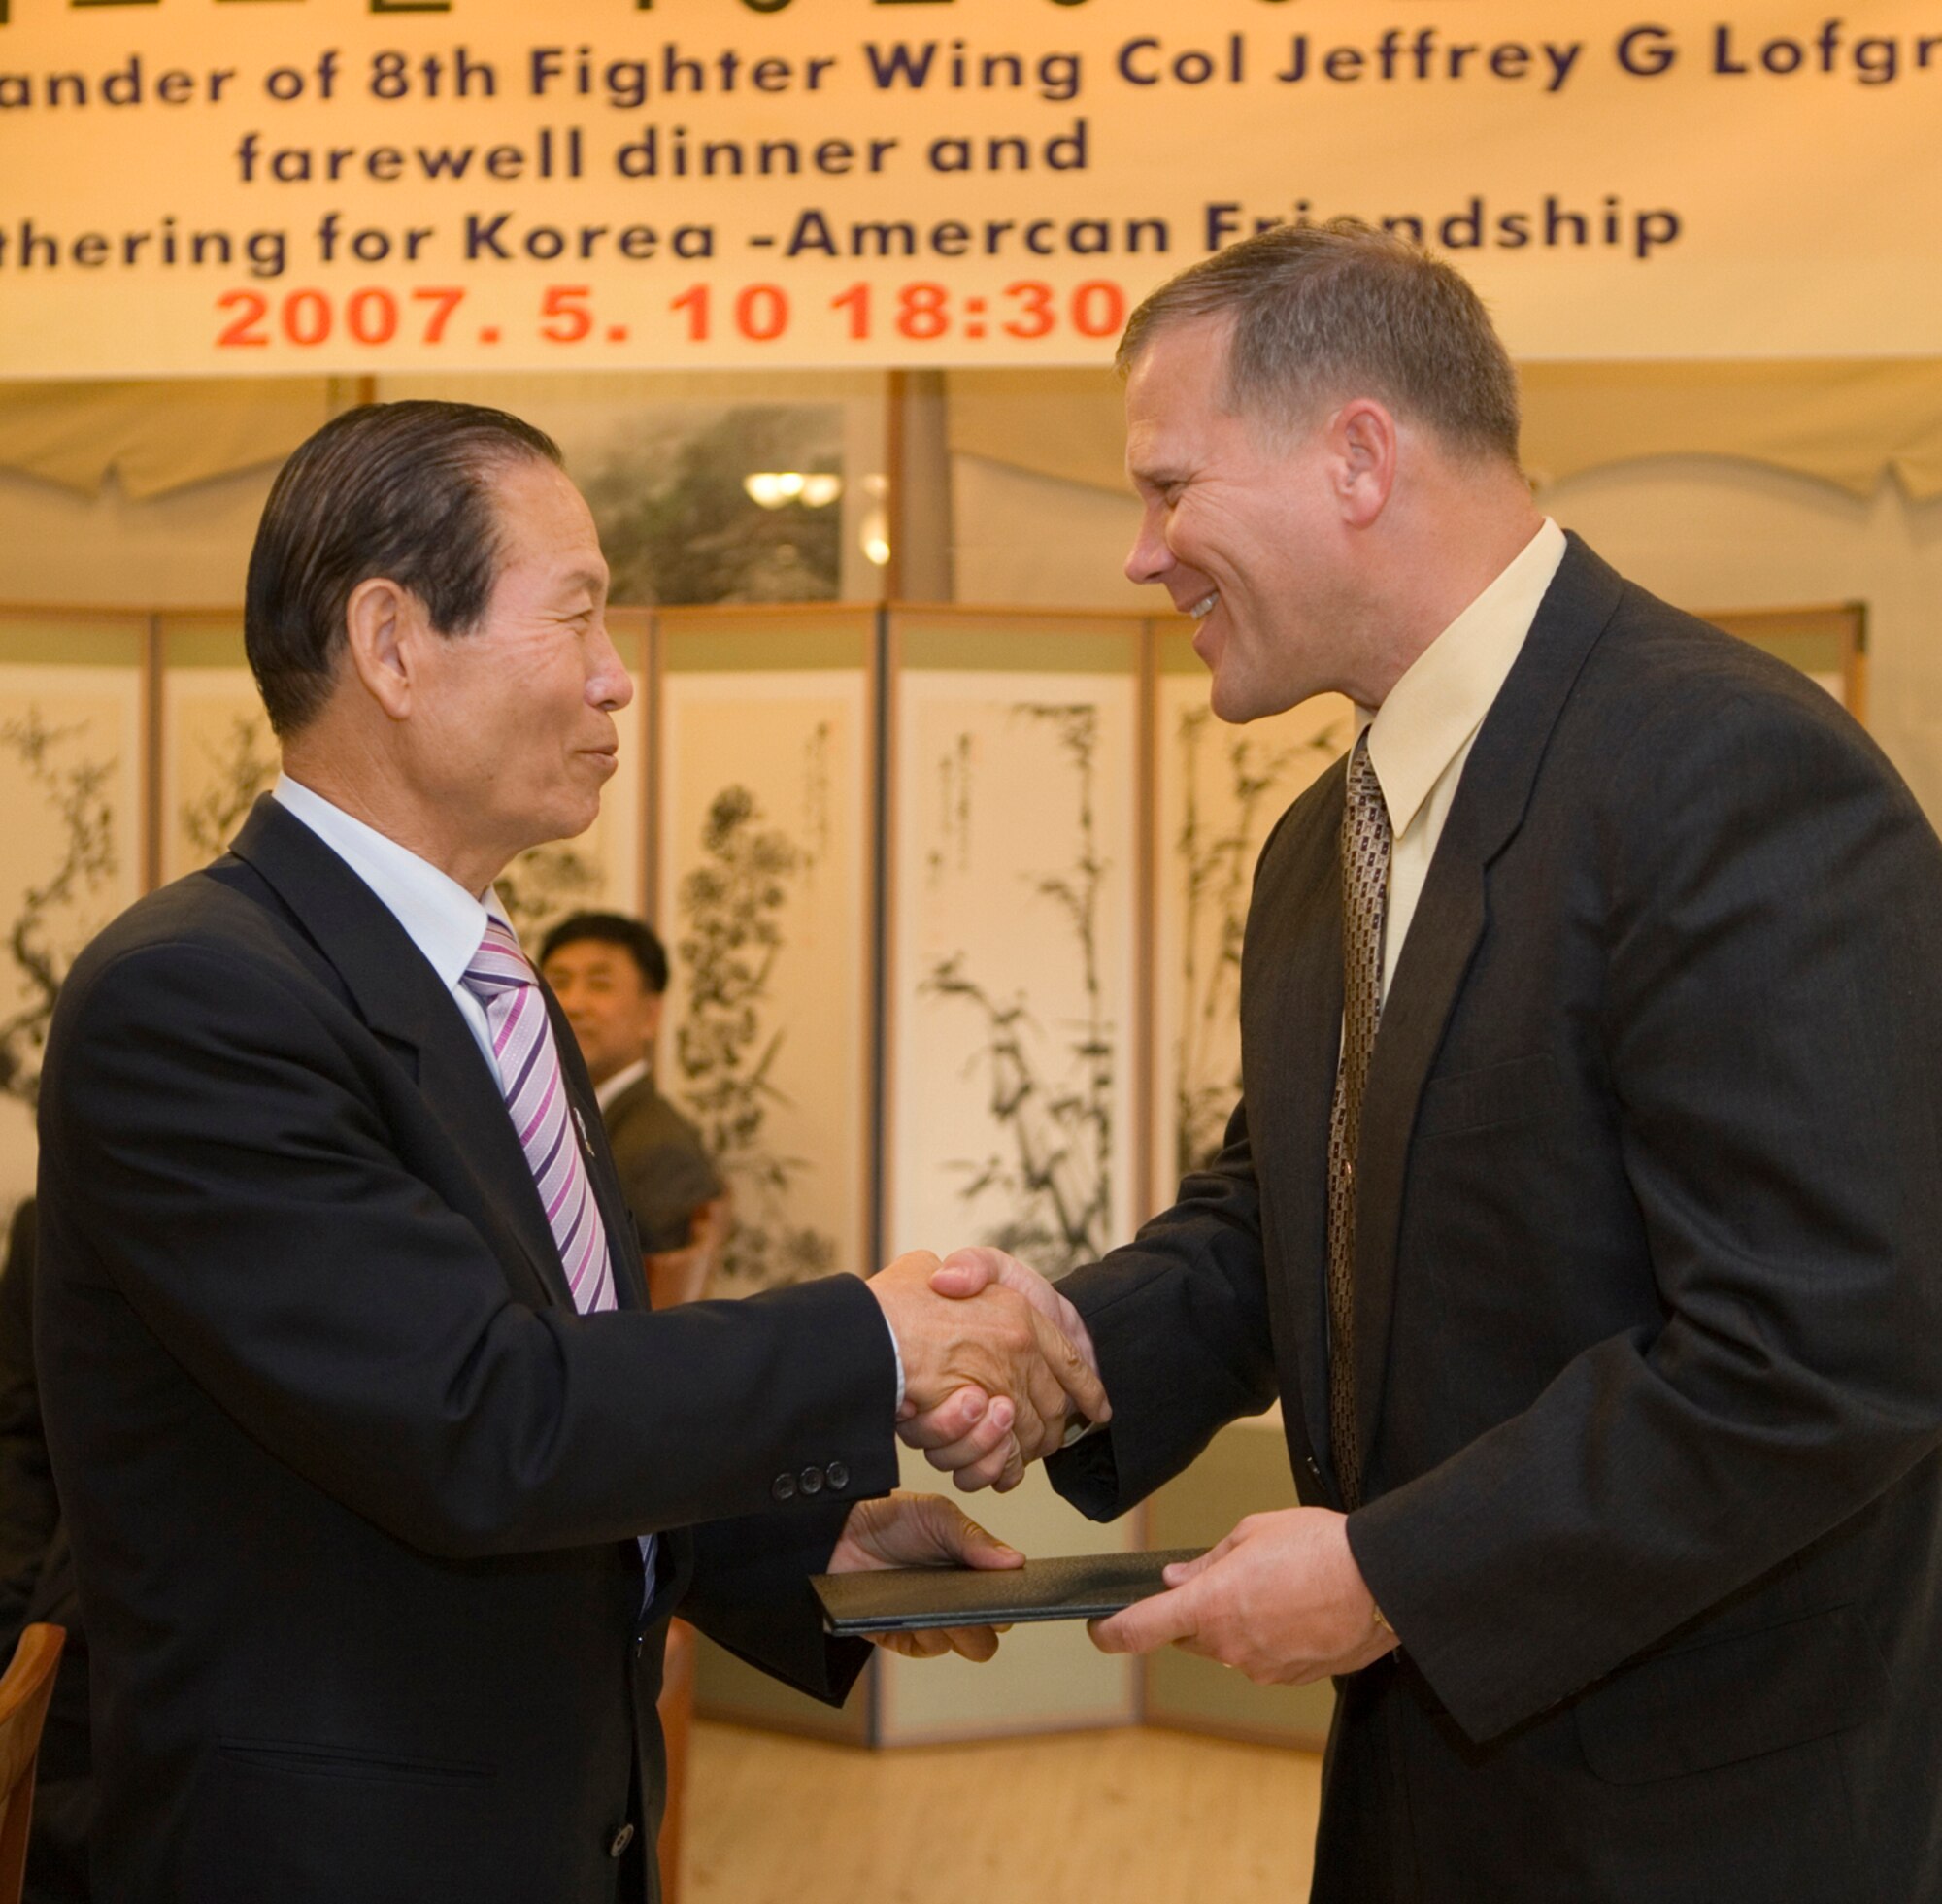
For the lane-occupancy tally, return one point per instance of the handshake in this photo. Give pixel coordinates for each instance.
(998, 1368)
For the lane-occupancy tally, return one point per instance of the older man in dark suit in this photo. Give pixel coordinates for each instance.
(382, 1479)
(1584, 1210)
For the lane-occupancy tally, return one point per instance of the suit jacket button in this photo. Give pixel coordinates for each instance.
(812, 1481)
(622, 1838)
(783, 1488)
(838, 1475)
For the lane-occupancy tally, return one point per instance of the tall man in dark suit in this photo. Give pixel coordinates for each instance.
(382, 1479)
(1584, 1210)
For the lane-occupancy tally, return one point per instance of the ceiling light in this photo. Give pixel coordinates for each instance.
(771, 488)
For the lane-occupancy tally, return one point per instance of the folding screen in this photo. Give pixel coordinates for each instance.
(1219, 793)
(1014, 922)
(764, 769)
(217, 752)
(73, 766)
(1016, 1036)
(766, 870)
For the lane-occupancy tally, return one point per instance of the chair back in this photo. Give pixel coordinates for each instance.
(677, 1713)
(684, 1275)
(713, 1225)
(25, 1688)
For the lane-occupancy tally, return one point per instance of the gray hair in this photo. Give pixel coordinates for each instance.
(1340, 310)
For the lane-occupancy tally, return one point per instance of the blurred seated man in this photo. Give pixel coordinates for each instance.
(610, 974)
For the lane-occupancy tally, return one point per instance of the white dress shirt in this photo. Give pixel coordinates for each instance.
(1420, 737)
(624, 1079)
(440, 917)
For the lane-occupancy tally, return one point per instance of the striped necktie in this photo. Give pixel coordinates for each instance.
(534, 1087)
(535, 1092)
(1365, 881)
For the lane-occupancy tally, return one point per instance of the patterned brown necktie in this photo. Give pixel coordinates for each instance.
(1365, 882)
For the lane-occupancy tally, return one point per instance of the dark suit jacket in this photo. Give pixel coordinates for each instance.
(1648, 1291)
(665, 1174)
(352, 1489)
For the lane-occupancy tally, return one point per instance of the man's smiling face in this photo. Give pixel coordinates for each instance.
(1239, 525)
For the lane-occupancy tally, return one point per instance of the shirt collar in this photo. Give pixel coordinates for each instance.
(620, 1081)
(443, 920)
(1441, 701)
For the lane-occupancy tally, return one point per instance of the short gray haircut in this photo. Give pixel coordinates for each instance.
(1329, 311)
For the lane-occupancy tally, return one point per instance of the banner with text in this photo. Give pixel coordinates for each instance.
(198, 186)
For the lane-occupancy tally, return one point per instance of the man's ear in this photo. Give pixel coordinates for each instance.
(384, 626)
(651, 1015)
(1362, 435)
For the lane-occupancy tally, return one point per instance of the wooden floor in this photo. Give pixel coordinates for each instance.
(1130, 1814)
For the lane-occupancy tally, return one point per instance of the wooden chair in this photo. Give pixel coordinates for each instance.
(676, 1276)
(26, 1689)
(683, 1275)
(677, 1711)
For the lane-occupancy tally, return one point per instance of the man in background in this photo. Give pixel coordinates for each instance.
(610, 973)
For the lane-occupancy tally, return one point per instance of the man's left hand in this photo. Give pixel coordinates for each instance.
(922, 1530)
(1281, 1599)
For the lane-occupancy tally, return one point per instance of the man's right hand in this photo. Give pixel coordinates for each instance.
(961, 1438)
(991, 1364)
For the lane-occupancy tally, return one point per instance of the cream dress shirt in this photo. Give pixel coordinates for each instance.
(1420, 737)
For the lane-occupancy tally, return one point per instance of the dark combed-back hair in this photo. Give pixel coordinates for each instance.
(613, 929)
(1329, 311)
(398, 490)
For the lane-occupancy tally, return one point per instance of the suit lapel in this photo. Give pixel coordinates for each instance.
(1449, 921)
(1293, 1001)
(405, 1004)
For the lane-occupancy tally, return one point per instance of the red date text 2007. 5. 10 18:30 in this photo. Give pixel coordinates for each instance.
(919, 313)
